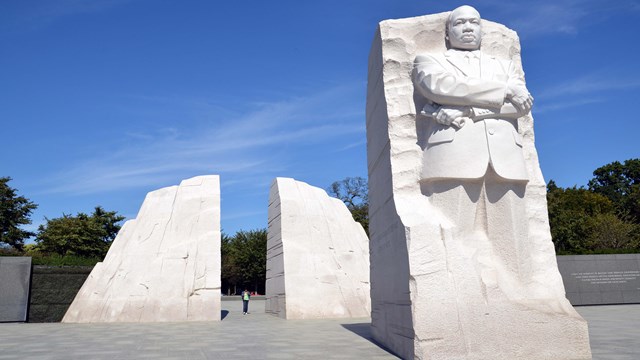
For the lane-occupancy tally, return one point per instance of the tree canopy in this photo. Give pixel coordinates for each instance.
(82, 235)
(354, 192)
(620, 183)
(15, 211)
(244, 260)
(603, 218)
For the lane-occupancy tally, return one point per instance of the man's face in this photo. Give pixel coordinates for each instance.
(464, 29)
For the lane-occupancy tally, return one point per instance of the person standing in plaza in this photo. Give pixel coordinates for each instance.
(245, 301)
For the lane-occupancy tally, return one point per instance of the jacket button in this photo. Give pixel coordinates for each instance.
(492, 131)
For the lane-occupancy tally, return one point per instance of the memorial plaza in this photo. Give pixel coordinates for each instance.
(457, 261)
(613, 330)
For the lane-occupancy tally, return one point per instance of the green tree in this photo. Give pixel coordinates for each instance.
(570, 210)
(244, 259)
(354, 192)
(620, 182)
(81, 235)
(583, 221)
(251, 257)
(608, 231)
(230, 274)
(14, 212)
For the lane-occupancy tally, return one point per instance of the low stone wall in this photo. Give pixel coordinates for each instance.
(53, 288)
(588, 280)
(15, 273)
(601, 279)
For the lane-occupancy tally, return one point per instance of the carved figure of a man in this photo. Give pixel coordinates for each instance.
(474, 171)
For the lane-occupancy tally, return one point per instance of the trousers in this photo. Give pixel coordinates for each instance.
(486, 221)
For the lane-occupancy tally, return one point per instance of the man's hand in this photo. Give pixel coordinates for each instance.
(449, 115)
(519, 96)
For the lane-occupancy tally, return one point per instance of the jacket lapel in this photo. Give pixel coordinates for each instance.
(493, 68)
(458, 61)
(486, 67)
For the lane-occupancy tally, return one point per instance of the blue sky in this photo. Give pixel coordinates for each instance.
(102, 101)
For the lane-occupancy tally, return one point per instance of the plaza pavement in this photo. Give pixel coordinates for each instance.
(615, 335)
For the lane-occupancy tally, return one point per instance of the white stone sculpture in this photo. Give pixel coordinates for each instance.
(164, 265)
(462, 263)
(317, 255)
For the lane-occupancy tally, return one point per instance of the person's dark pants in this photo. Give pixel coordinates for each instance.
(245, 306)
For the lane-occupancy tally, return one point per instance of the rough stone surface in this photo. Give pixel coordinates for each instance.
(430, 294)
(15, 278)
(317, 255)
(164, 265)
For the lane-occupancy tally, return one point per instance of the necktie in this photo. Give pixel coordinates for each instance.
(474, 63)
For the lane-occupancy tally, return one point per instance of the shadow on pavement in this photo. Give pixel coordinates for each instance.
(364, 330)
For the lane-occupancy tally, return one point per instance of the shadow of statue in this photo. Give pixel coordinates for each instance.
(364, 330)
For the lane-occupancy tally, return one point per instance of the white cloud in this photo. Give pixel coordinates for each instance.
(588, 89)
(546, 107)
(242, 215)
(42, 13)
(247, 146)
(547, 17)
(598, 83)
(352, 145)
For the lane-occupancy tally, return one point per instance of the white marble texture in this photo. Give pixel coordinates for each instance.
(433, 296)
(164, 265)
(317, 255)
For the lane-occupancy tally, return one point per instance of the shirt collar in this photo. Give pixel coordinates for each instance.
(463, 53)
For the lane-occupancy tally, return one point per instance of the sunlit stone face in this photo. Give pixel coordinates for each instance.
(463, 28)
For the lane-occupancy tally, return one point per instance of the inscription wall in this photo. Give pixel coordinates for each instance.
(15, 277)
(601, 279)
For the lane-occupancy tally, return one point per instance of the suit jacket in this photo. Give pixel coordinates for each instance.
(491, 138)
